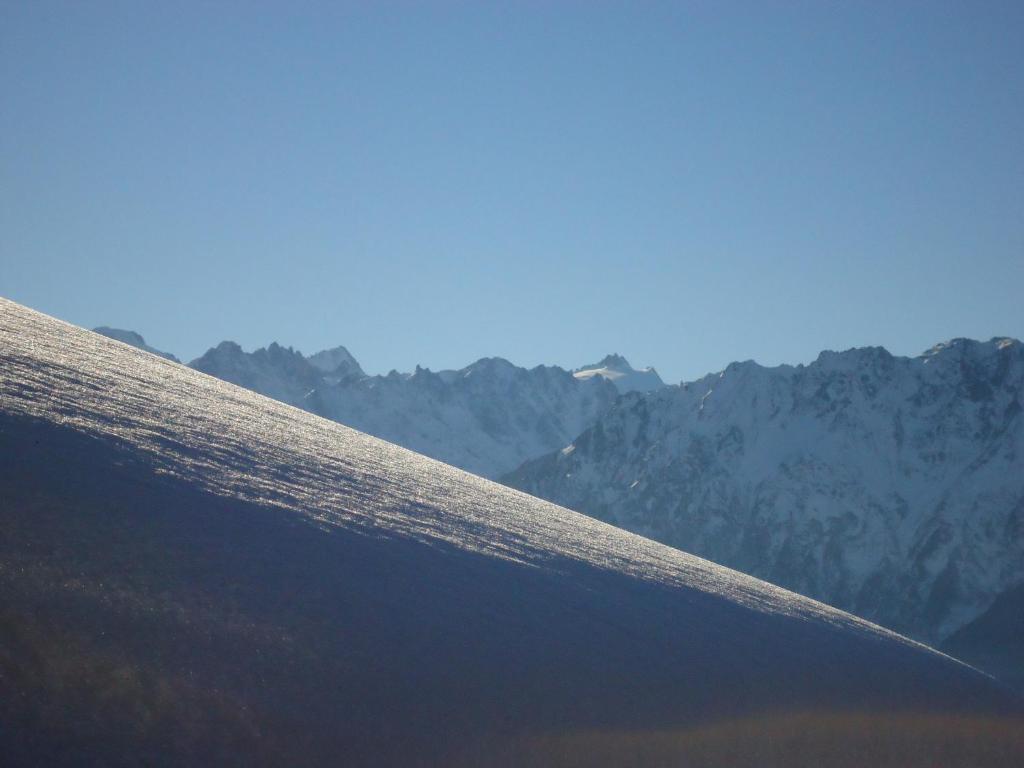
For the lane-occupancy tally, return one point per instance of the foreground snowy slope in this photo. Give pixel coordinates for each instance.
(133, 339)
(191, 573)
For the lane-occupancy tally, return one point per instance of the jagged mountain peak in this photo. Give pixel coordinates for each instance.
(854, 356)
(614, 360)
(488, 417)
(616, 369)
(224, 350)
(747, 367)
(274, 351)
(276, 371)
(491, 365)
(337, 361)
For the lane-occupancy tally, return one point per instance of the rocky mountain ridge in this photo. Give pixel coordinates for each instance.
(487, 418)
(887, 486)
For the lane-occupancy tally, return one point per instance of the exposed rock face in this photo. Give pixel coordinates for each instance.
(890, 487)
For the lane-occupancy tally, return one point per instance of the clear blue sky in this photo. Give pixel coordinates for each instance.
(684, 183)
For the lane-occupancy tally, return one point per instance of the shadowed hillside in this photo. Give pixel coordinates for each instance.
(193, 574)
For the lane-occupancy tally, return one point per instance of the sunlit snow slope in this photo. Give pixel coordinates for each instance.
(193, 574)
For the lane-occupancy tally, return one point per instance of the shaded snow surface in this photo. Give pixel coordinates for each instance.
(191, 573)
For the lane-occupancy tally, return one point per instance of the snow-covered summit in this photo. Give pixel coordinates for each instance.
(132, 338)
(617, 370)
(192, 573)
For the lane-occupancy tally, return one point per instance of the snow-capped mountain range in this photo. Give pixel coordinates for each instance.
(891, 487)
(887, 486)
(487, 418)
(192, 573)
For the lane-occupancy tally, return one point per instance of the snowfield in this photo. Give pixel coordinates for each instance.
(191, 573)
